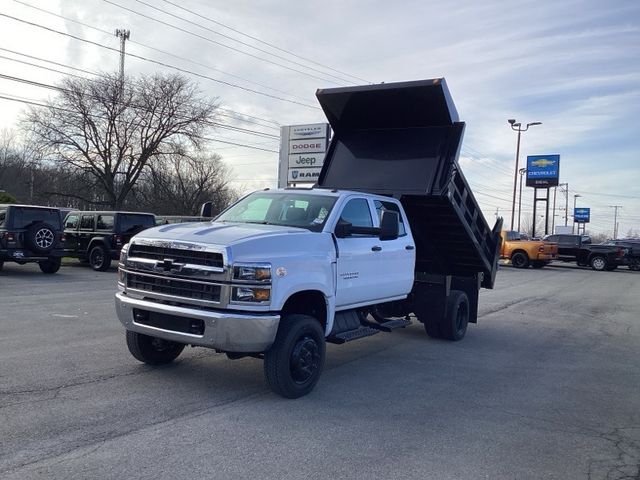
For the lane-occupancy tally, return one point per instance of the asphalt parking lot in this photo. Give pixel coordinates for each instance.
(547, 385)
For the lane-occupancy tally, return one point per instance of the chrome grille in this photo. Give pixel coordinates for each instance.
(179, 255)
(174, 287)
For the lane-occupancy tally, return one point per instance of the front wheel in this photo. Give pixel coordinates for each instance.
(152, 350)
(293, 364)
(51, 265)
(520, 260)
(634, 265)
(598, 263)
(98, 259)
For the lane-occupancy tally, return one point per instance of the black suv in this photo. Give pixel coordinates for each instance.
(98, 237)
(31, 234)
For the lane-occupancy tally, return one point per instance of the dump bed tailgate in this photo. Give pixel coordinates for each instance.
(403, 140)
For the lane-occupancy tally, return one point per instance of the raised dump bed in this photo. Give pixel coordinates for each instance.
(403, 140)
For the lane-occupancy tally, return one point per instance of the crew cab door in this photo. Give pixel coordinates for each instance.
(71, 232)
(358, 277)
(397, 257)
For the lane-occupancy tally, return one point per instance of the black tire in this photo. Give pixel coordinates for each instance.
(538, 264)
(520, 260)
(51, 265)
(432, 327)
(40, 237)
(634, 265)
(293, 364)
(98, 259)
(152, 350)
(598, 263)
(454, 325)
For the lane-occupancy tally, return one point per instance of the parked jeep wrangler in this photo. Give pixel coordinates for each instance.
(31, 234)
(98, 237)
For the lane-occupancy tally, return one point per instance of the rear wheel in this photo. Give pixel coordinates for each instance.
(98, 259)
(598, 263)
(293, 364)
(454, 325)
(520, 260)
(51, 265)
(152, 350)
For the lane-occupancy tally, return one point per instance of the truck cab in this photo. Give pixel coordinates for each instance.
(390, 234)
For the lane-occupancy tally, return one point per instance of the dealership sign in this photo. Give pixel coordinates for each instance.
(543, 171)
(581, 215)
(302, 150)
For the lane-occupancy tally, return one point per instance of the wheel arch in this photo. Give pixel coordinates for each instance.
(309, 302)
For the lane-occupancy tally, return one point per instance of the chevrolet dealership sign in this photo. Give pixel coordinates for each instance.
(302, 149)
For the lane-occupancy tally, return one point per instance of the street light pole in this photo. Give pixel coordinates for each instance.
(522, 172)
(517, 127)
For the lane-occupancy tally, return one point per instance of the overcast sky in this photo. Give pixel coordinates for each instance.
(573, 65)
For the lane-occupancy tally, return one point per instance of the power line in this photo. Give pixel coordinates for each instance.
(241, 42)
(157, 62)
(214, 124)
(216, 42)
(232, 114)
(262, 41)
(164, 52)
(15, 98)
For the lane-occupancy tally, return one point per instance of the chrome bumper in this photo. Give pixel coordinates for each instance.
(227, 331)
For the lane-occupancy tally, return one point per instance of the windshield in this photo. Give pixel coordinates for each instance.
(281, 208)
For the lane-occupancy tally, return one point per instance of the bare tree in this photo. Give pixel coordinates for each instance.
(112, 131)
(179, 183)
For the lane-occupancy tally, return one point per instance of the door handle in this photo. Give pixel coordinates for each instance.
(377, 248)
(409, 247)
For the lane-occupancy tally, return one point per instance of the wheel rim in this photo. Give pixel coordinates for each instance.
(598, 263)
(305, 359)
(518, 260)
(44, 238)
(160, 345)
(96, 257)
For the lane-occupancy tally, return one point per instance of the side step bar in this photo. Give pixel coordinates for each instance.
(390, 325)
(344, 337)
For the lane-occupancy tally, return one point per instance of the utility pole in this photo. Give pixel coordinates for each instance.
(566, 202)
(123, 35)
(615, 220)
(553, 218)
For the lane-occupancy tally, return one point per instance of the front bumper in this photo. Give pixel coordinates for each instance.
(227, 331)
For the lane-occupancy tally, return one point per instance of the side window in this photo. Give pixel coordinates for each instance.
(567, 241)
(71, 221)
(3, 216)
(390, 206)
(86, 222)
(105, 222)
(357, 213)
(552, 239)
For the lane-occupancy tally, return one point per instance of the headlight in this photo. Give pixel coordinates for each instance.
(250, 294)
(123, 253)
(257, 272)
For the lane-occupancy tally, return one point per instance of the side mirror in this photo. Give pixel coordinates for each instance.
(343, 229)
(206, 210)
(389, 225)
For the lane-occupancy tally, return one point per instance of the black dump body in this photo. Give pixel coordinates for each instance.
(403, 140)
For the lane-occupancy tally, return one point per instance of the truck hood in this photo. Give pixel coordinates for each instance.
(216, 233)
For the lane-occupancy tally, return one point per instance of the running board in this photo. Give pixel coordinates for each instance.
(344, 337)
(390, 325)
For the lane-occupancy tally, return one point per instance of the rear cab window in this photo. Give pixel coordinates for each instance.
(105, 222)
(381, 206)
(133, 223)
(24, 217)
(3, 217)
